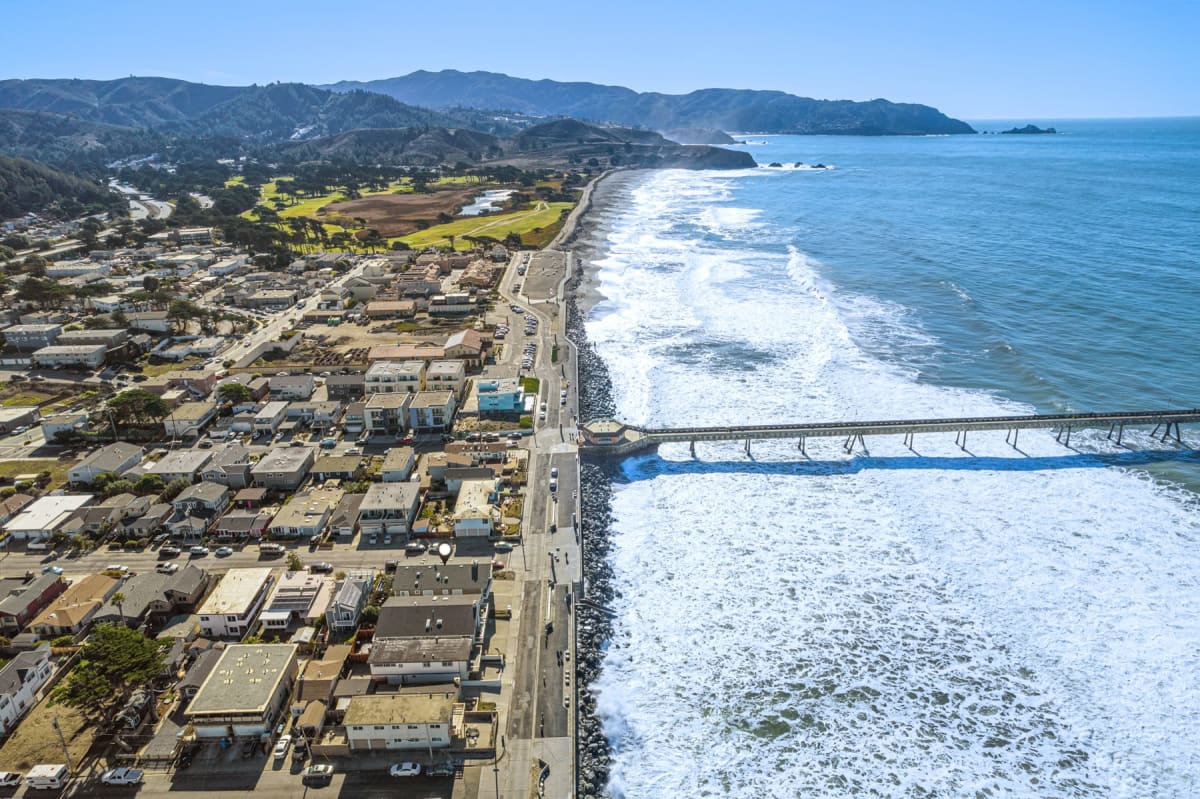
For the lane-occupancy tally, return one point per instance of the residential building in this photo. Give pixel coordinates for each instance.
(349, 598)
(292, 387)
(231, 703)
(233, 605)
(317, 415)
(393, 377)
(268, 418)
(354, 421)
(116, 458)
(139, 591)
(400, 721)
(344, 520)
(180, 593)
(153, 321)
(189, 419)
(149, 524)
(443, 579)
(390, 309)
(319, 676)
(239, 524)
(402, 661)
(181, 464)
(469, 346)
(336, 467)
(20, 680)
(112, 338)
(9, 508)
(446, 376)
(299, 596)
(306, 514)
(195, 235)
(347, 388)
(431, 411)
(283, 468)
(22, 603)
(389, 508)
(430, 616)
(387, 414)
(398, 465)
(198, 672)
(229, 466)
(203, 499)
(90, 356)
(44, 515)
(474, 514)
(503, 395)
(70, 612)
(64, 422)
(27, 338)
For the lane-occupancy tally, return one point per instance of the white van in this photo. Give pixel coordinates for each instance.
(47, 777)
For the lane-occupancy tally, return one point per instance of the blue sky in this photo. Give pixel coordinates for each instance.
(973, 60)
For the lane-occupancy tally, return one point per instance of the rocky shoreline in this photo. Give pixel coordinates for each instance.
(594, 629)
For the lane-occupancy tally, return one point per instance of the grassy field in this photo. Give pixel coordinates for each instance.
(154, 370)
(310, 206)
(25, 399)
(36, 742)
(543, 216)
(57, 469)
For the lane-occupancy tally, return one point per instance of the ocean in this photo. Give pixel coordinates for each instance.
(937, 623)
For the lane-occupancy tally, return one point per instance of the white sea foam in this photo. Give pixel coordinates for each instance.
(1004, 623)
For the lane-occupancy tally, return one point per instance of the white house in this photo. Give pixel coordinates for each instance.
(246, 693)
(400, 721)
(234, 603)
(45, 515)
(268, 418)
(389, 508)
(118, 458)
(402, 661)
(473, 511)
(20, 680)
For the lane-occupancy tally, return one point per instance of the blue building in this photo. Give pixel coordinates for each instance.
(500, 395)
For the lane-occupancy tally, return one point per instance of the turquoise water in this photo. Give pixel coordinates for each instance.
(949, 623)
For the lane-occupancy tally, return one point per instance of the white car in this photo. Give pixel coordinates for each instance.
(504, 546)
(122, 776)
(281, 747)
(116, 567)
(198, 551)
(554, 471)
(223, 552)
(405, 769)
(167, 568)
(9, 779)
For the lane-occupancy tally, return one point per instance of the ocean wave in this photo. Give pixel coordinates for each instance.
(976, 626)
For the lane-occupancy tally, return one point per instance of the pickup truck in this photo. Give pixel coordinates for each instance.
(122, 776)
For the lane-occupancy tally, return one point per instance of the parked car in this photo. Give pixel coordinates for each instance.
(168, 551)
(387, 539)
(504, 546)
(223, 552)
(415, 546)
(9, 779)
(167, 568)
(116, 567)
(281, 747)
(405, 769)
(317, 774)
(122, 776)
(198, 551)
(323, 568)
(55, 569)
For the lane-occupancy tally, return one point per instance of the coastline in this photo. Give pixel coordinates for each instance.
(594, 628)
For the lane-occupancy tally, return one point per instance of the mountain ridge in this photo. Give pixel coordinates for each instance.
(764, 111)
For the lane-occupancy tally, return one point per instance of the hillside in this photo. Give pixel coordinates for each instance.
(29, 186)
(265, 113)
(560, 142)
(723, 109)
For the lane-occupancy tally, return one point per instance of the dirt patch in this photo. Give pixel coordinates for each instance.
(399, 214)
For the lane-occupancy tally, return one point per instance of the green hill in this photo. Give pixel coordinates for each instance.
(29, 186)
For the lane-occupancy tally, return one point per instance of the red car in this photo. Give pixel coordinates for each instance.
(404, 439)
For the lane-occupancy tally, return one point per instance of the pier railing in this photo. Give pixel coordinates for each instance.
(618, 438)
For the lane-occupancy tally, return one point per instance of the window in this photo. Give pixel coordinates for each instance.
(379, 726)
(413, 727)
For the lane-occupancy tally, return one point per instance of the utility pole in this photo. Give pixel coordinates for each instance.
(63, 741)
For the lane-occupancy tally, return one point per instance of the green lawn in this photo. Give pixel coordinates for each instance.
(542, 216)
(24, 400)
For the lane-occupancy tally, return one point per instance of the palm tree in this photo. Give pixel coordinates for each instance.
(118, 599)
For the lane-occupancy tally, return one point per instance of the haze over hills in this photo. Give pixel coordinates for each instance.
(276, 111)
(724, 109)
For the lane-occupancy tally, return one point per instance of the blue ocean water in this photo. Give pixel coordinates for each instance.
(983, 623)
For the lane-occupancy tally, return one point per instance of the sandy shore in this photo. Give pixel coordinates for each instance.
(585, 239)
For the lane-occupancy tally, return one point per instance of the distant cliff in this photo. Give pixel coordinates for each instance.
(699, 136)
(719, 109)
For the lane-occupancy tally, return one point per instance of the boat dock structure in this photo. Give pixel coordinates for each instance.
(612, 438)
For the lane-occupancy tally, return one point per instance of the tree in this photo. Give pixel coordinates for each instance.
(113, 661)
(138, 405)
(294, 563)
(151, 283)
(148, 484)
(118, 599)
(235, 393)
(173, 489)
(370, 614)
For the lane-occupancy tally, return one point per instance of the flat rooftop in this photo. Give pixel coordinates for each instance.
(244, 680)
(413, 708)
(235, 592)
